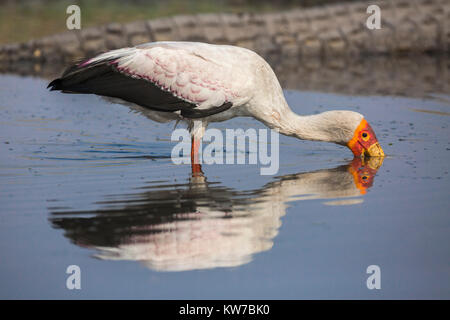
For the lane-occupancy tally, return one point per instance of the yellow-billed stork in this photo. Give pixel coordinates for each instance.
(201, 83)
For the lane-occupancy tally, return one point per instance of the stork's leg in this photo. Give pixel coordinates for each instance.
(195, 163)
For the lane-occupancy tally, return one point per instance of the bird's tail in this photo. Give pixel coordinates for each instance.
(75, 78)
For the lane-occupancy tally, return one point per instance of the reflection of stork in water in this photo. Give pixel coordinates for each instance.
(201, 225)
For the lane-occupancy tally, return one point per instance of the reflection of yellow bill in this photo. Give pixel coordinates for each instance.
(375, 151)
(373, 163)
(363, 171)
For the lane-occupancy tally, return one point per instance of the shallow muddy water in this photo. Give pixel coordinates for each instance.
(86, 182)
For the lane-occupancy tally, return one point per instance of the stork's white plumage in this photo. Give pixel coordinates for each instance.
(199, 82)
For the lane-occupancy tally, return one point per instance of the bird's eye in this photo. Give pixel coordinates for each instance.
(365, 177)
(365, 136)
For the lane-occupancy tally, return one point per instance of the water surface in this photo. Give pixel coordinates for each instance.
(87, 182)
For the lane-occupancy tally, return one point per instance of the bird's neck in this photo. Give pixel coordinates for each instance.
(308, 127)
(312, 127)
(271, 108)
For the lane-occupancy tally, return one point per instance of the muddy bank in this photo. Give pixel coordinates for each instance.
(327, 31)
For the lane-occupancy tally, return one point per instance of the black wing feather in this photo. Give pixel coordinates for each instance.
(105, 80)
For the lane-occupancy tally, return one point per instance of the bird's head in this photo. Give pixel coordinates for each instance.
(364, 142)
(346, 128)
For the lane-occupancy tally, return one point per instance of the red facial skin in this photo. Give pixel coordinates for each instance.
(363, 138)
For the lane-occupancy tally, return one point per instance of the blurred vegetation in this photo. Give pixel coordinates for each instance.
(22, 20)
